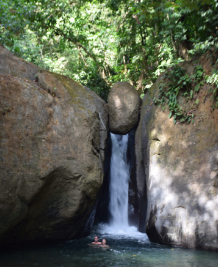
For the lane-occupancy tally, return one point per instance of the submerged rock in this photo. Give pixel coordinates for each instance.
(53, 136)
(177, 174)
(123, 106)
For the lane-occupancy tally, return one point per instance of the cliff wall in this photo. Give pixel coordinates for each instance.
(177, 168)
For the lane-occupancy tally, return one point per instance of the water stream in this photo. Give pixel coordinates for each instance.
(119, 186)
(119, 182)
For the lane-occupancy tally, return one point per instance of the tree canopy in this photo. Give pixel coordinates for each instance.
(99, 42)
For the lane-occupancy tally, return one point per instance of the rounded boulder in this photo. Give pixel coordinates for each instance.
(124, 106)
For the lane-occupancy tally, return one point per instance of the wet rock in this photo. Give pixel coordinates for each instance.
(133, 199)
(53, 138)
(177, 170)
(123, 106)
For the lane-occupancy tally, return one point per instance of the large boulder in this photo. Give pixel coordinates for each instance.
(123, 106)
(53, 136)
(177, 173)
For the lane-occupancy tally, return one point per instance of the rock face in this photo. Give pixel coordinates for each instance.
(132, 194)
(123, 106)
(53, 136)
(177, 174)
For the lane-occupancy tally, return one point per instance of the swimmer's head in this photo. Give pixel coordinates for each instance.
(104, 241)
(96, 238)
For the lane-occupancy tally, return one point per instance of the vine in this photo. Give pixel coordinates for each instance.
(213, 80)
(175, 82)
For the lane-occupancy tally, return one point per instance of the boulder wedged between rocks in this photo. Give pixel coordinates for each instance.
(53, 139)
(123, 107)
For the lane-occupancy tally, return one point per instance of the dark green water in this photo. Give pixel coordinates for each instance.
(124, 251)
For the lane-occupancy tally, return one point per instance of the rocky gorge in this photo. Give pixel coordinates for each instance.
(55, 151)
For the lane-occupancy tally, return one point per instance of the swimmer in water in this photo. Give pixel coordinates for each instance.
(103, 243)
(96, 242)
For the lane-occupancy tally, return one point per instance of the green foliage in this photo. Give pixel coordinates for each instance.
(177, 82)
(199, 73)
(61, 37)
(95, 82)
(99, 42)
(213, 80)
(174, 82)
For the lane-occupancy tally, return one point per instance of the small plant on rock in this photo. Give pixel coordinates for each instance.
(175, 82)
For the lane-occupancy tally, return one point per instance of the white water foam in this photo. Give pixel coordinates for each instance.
(129, 232)
(119, 186)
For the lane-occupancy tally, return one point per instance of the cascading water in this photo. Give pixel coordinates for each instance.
(118, 190)
(119, 182)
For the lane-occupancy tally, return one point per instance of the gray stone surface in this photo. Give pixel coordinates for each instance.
(52, 142)
(123, 106)
(177, 174)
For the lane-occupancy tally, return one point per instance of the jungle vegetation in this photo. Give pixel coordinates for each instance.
(99, 42)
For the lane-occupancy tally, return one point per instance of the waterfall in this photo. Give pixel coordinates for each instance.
(118, 190)
(119, 182)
